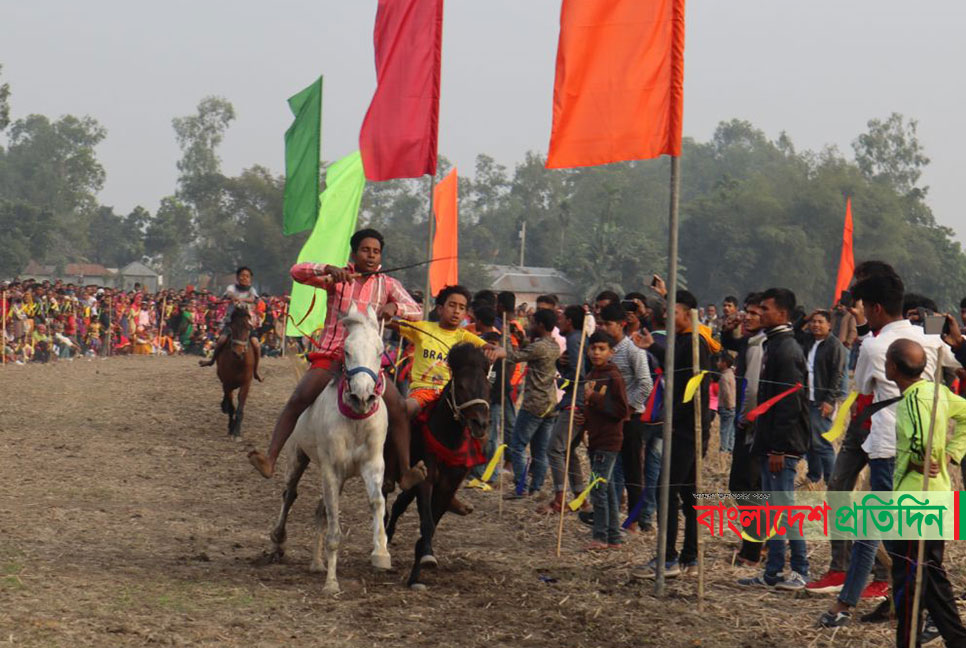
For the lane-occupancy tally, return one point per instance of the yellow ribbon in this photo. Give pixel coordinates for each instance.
(838, 427)
(579, 500)
(494, 462)
(476, 483)
(767, 538)
(692, 386)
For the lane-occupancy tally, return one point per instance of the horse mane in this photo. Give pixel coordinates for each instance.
(464, 356)
(355, 319)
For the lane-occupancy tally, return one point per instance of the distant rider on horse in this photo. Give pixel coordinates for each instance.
(359, 283)
(240, 293)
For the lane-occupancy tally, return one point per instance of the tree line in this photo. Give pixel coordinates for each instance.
(754, 211)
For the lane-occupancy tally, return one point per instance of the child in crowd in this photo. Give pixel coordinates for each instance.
(726, 401)
(605, 410)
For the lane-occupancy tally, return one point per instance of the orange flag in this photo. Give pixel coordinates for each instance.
(446, 240)
(619, 88)
(846, 261)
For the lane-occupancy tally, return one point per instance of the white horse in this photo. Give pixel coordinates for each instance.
(343, 432)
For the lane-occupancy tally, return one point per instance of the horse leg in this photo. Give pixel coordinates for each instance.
(228, 406)
(372, 473)
(424, 546)
(240, 411)
(403, 500)
(331, 487)
(279, 534)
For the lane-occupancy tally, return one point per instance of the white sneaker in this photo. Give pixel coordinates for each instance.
(792, 583)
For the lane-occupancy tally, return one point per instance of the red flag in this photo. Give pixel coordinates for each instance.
(846, 261)
(768, 404)
(619, 88)
(399, 134)
(446, 239)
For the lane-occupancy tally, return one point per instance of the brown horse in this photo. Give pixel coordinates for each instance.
(236, 368)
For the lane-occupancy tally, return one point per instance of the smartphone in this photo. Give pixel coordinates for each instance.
(846, 299)
(934, 324)
(629, 305)
(654, 281)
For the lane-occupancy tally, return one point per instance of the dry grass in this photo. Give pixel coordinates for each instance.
(128, 518)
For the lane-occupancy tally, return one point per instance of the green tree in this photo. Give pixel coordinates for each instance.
(890, 151)
(4, 104)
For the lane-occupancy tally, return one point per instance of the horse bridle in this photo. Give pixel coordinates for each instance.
(458, 408)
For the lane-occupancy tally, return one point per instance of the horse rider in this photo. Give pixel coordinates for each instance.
(241, 293)
(359, 283)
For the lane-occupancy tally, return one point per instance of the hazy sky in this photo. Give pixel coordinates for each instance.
(818, 70)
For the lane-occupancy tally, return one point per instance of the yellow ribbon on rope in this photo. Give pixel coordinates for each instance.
(769, 536)
(692, 386)
(839, 426)
(579, 500)
(488, 473)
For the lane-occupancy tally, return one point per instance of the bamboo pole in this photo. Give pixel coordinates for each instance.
(926, 467)
(672, 288)
(284, 339)
(161, 320)
(698, 442)
(570, 433)
(431, 219)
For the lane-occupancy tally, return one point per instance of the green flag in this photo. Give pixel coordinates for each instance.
(329, 241)
(302, 153)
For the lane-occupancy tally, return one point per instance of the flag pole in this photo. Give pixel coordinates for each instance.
(427, 296)
(921, 550)
(3, 331)
(570, 434)
(499, 474)
(698, 441)
(672, 288)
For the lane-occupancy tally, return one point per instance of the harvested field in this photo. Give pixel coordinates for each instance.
(127, 517)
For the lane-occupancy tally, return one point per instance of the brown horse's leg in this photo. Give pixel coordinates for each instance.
(308, 389)
(240, 411)
(228, 407)
(257, 353)
(400, 436)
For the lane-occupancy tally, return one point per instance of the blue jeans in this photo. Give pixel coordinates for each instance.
(727, 426)
(604, 498)
(781, 489)
(821, 454)
(496, 410)
(653, 449)
(863, 551)
(533, 431)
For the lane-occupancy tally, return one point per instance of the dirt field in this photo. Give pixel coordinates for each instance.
(127, 517)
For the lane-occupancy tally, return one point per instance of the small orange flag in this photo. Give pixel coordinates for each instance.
(847, 260)
(619, 88)
(446, 239)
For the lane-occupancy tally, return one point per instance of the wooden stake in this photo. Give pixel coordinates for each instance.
(161, 319)
(927, 461)
(570, 434)
(284, 339)
(698, 442)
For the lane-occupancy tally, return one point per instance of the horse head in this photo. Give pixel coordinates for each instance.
(469, 389)
(363, 360)
(240, 326)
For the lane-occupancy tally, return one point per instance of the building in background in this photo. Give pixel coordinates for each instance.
(529, 282)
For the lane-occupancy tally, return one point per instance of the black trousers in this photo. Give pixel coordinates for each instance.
(745, 477)
(632, 458)
(937, 595)
(681, 498)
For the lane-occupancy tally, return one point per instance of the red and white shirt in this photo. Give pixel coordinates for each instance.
(375, 290)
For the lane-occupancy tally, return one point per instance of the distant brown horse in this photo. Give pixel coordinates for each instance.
(236, 368)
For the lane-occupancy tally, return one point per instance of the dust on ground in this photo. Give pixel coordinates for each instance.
(128, 517)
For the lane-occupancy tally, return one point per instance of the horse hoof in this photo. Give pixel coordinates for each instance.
(418, 587)
(382, 562)
(316, 567)
(429, 561)
(331, 588)
(236, 438)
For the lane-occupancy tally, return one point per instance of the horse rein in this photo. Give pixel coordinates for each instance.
(458, 409)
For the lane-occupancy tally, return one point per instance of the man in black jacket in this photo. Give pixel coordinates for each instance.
(826, 359)
(782, 435)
